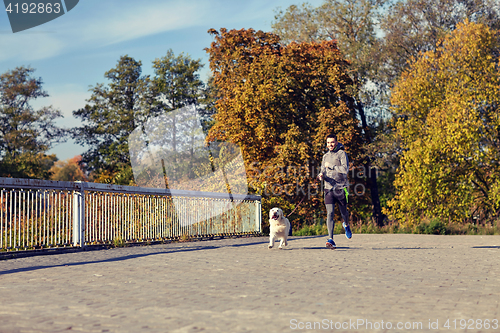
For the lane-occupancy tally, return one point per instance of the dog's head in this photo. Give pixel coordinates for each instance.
(275, 213)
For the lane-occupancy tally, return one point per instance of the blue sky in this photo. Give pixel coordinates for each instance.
(72, 52)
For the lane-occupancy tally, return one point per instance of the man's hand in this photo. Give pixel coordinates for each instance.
(320, 176)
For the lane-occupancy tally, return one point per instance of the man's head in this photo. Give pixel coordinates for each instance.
(331, 141)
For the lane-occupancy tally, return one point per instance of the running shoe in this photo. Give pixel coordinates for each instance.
(330, 244)
(348, 232)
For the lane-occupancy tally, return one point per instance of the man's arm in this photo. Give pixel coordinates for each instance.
(344, 164)
(323, 169)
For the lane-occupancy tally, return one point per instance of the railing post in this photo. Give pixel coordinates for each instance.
(258, 215)
(79, 216)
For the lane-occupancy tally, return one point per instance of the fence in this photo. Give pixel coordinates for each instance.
(38, 214)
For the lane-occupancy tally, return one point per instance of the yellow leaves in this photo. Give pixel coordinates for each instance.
(448, 106)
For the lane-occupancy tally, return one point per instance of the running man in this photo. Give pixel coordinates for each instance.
(334, 168)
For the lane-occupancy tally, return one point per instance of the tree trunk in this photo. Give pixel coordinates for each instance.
(371, 173)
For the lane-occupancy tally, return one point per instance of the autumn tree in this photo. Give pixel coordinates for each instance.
(69, 170)
(406, 28)
(278, 103)
(113, 112)
(300, 23)
(410, 27)
(414, 26)
(26, 134)
(352, 24)
(447, 109)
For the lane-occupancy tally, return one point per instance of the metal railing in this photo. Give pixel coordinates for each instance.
(38, 214)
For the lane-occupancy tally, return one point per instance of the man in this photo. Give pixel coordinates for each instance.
(334, 168)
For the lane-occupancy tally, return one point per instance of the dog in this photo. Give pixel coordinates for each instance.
(279, 227)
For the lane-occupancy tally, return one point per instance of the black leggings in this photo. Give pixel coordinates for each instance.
(331, 198)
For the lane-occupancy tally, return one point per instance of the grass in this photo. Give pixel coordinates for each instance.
(118, 242)
(430, 227)
(184, 238)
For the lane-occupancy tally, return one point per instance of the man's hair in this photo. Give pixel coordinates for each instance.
(331, 136)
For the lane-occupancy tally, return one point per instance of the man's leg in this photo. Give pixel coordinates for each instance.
(340, 198)
(330, 207)
(330, 223)
(344, 212)
(345, 217)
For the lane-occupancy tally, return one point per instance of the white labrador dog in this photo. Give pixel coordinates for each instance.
(279, 227)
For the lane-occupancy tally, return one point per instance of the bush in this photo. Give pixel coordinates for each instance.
(435, 227)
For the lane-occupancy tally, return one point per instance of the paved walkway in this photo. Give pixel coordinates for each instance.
(373, 283)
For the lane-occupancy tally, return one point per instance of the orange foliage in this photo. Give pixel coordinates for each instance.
(278, 103)
(69, 170)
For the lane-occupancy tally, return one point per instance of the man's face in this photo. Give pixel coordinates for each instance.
(330, 143)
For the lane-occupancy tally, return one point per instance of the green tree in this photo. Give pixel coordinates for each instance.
(278, 103)
(26, 134)
(447, 109)
(126, 103)
(113, 112)
(176, 82)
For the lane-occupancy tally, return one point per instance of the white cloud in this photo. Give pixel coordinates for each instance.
(95, 24)
(29, 46)
(129, 23)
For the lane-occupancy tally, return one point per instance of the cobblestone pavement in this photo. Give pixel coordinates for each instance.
(372, 283)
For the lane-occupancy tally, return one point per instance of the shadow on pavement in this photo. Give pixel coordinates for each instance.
(132, 256)
(189, 248)
(325, 248)
(403, 248)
